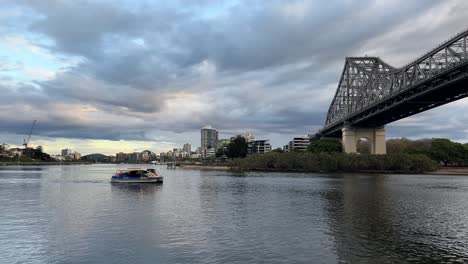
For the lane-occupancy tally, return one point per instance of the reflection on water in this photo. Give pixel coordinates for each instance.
(72, 214)
(141, 188)
(385, 219)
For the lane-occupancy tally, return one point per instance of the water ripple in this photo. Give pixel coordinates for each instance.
(72, 214)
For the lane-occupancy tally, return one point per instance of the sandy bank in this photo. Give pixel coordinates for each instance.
(451, 171)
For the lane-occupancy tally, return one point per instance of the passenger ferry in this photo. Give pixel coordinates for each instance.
(137, 175)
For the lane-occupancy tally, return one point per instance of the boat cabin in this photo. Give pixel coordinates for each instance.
(136, 173)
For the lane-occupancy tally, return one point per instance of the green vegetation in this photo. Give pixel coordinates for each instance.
(336, 162)
(278, 150)
(15, 159)
(325, 155)
(237, 148)
(28, 155)
(38, 154)
(3, 148)
(328, 145)
(442, 151)
(96, 157)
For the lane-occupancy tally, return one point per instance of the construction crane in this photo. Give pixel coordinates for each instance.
(26, 141)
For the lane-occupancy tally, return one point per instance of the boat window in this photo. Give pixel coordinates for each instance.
(134, 173)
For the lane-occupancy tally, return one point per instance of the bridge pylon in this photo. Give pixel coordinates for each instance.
(376, 137)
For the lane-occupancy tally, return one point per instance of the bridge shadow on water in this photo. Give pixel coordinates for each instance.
(374, 220)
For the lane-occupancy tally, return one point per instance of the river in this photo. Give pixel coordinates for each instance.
(72, 214)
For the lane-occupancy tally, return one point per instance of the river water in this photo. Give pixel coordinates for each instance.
(72, 214)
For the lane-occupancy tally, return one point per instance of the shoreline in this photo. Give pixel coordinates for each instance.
(204, 167)
(454, 171)
(461, 171)
(325, 172)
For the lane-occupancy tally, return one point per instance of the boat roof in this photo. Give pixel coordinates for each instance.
(134, 169)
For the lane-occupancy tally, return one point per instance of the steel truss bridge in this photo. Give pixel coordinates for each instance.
(372, 93)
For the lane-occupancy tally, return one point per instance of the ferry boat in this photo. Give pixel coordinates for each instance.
(137, 175)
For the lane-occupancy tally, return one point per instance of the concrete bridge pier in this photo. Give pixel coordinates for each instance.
(376, 137)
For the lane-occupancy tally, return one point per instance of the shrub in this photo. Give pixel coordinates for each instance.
(335, 162)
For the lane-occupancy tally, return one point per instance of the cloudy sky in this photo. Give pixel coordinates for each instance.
(105, 76)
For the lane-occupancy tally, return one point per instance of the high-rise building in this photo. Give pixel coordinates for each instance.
(187, 148)
(121, 157)
(76, 155)
(66, 152)
(209, 138)
(146, 155)
(134, 157)
(208, 152)
(299, 144)
(258, 146)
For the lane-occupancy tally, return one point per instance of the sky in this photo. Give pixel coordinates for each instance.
(110, 76)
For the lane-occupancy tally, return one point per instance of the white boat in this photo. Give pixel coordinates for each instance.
(137, 175)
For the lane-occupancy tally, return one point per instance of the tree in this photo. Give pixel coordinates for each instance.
(329, 145)
(447, 152)
(237, 148)
(220, 152)
(37, 153)
(3, 147)
(404, 145)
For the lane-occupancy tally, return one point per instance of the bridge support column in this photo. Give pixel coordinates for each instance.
(376, 137)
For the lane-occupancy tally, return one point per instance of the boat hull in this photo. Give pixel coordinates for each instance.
(157, 180)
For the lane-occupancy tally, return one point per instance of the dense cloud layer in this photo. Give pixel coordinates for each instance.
(120, 70)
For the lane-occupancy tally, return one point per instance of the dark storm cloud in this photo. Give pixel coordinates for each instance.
(269, 66)
(242, 40)
(86, 27)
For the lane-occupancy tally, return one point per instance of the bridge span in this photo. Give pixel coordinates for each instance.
(372, 93)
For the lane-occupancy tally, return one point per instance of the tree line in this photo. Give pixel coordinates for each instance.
(441, 150)
(403, 155)
(335, 162)
(27, 154)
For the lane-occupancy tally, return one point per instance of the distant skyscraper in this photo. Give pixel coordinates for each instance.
(187, 148)
(209, 138)
(121, 157)
(66, 152)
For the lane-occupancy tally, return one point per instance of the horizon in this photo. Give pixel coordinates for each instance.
(115, 76)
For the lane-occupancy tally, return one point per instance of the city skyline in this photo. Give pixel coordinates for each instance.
(128, 147)
(117, 86)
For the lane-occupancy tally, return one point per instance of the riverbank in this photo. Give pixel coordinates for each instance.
(205, 167)
(462, 171)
